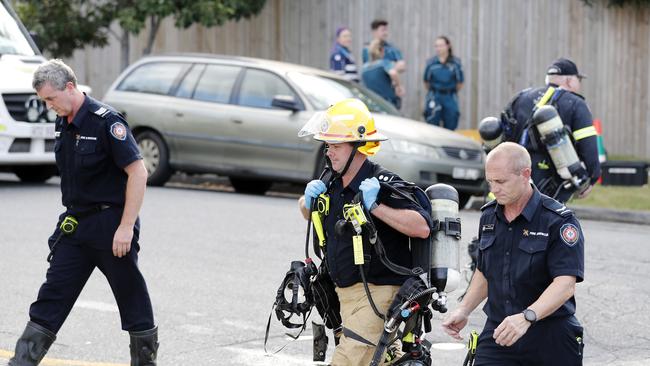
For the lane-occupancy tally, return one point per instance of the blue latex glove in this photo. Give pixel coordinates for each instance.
(370, 189)
(313, 189)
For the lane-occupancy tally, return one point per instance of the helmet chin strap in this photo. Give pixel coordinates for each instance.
(355, 147)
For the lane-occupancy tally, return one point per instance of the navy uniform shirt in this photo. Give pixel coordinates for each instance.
(340, 255)
(91, 154)
(443, 77)
(342, 62)
(376, 78)
(520, 259)
(575, 114)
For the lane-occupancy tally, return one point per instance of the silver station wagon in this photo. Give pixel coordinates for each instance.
(239, 117)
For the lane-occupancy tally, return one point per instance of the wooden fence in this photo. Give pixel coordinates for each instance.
(504, 45)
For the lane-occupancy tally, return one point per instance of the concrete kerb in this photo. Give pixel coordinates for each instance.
(591, 213)
(607, 214)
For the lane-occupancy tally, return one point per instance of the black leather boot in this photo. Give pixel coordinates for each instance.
(144, 347)
(32, 345)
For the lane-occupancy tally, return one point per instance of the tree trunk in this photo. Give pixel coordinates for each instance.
(155, 24)
(124, 47)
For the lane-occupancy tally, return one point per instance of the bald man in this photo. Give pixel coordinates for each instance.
(531, 254)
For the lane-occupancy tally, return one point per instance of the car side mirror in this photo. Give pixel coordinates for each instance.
(285, 102)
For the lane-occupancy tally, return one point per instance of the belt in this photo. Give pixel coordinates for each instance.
(81, 212)
(444, 91)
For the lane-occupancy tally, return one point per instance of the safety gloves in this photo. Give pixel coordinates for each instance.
(313, 189)
(370, 189)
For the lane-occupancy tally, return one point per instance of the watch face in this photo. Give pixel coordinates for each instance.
(530, 315)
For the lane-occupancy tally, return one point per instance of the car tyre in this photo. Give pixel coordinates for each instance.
(463, 198)
(35, 173)
(250, 186)
(156, 157)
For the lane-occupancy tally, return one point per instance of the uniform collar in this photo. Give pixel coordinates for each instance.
(342, 47)
(79, 117)
(436, 59)
(364, 172)
(529, 210)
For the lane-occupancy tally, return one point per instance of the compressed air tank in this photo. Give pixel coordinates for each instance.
(445, 265)
(557, 141)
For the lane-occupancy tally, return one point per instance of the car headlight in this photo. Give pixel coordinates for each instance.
(414, 148)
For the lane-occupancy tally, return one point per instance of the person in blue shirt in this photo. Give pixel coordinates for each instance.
(341, 59)
(381, 76)
(443, 78)
(379, 28)
(531, 256)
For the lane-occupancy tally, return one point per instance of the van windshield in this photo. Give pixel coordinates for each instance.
(12, 39)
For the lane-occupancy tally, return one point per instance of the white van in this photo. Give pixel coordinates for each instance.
(26, 125)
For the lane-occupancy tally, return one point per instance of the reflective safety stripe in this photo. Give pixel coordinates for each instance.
(584, 133)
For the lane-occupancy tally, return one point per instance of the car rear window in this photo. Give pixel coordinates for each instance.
(155, 78)
(216, 83)
(260, 87)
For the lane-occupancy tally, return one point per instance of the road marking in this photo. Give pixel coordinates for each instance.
(4, 354)
(96, 305)
(258, 356)
(448, 346)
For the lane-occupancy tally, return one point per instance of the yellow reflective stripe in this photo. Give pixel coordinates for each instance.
(549, 93)
(584, 133)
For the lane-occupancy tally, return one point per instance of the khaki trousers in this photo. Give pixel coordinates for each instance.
(357, 316)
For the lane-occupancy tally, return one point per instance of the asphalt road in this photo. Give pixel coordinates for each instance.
(213, 260)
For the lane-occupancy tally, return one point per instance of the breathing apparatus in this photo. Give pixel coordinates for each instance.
(557, 141)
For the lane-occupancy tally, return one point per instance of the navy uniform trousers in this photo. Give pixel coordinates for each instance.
(550, 342)
(69, 270)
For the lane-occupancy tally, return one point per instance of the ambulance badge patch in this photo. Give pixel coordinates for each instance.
(569, 234)
(118, 130)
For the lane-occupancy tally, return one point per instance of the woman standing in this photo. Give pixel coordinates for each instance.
(443, 78)
(341, 59)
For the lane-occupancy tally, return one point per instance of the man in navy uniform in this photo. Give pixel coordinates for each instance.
(531, 254)
(562, 75)
(103, 180)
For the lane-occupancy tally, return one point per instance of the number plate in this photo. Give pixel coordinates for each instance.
(465, 173)
(43, 130)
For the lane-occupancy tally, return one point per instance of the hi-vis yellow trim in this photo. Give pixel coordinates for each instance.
(409, 338)
(546, 97)
(584, 133)
(318, 226)
(357, 246)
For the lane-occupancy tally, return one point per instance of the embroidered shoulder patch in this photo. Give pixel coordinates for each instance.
(569, 234)
(118, 130)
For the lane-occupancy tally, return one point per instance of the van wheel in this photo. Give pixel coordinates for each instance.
(156, 157)
(35, 173)
(250, 186)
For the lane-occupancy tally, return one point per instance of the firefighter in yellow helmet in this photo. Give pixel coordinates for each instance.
(348, 130)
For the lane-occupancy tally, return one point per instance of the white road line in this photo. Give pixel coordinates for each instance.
(96, 305)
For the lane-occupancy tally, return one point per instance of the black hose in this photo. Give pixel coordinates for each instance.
(370, 300)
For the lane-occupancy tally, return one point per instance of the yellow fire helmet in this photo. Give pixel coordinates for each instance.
(346, 121)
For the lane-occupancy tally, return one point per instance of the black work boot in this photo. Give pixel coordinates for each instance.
(32, 345)
(144, 347)
(320, 341)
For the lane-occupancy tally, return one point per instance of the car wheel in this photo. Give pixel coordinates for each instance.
(250, 186)
(463, 198)
(35, 173)
(156, 157)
